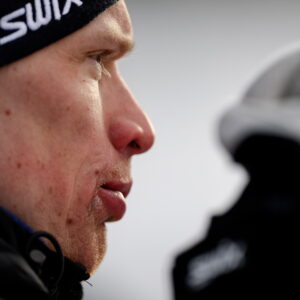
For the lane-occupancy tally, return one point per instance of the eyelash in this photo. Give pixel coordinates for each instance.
(98, 58)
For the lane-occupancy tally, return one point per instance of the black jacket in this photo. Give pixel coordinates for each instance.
(251, 251)
(28, 269)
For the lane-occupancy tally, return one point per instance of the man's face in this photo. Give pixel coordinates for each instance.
(69, 127)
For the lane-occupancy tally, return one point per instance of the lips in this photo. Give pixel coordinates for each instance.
(113, 196)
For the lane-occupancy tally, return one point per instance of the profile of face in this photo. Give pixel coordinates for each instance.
(69, 127)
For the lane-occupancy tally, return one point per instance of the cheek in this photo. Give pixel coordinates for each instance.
(67, 108)
(57, 127)
(59, 98)
(37, 181)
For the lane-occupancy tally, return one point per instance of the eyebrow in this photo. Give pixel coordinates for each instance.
(122, 44)
(126, 46)
(115, 41)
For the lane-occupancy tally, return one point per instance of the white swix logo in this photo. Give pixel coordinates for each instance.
(32, 17)
(226, 257)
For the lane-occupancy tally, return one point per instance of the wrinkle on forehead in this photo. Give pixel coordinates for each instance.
(114, 24)
(119, 12)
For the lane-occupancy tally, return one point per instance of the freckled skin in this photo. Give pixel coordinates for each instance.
(50, 190)
(71, 129)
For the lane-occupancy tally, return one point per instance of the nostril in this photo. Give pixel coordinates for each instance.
(134, 145)
(126, 135)
(130, 136)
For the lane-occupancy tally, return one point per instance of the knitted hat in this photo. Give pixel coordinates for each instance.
(29, 25)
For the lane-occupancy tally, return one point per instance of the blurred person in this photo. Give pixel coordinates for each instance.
(252, 250)
(69, 128)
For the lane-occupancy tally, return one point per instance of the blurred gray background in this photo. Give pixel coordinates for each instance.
(192, 59)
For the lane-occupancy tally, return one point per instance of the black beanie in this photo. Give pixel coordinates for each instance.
(29, 25)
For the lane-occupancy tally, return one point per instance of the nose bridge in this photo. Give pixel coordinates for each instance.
(130, 129)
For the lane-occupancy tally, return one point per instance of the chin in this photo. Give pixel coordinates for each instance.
(94, 264)
(90, 251)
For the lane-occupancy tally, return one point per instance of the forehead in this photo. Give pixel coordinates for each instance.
(112, 27)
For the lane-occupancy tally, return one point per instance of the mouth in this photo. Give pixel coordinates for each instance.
(113, 196)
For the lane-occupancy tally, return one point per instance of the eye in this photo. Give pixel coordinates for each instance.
(99, 59)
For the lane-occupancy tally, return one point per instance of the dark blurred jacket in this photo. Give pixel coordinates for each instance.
(252, 250)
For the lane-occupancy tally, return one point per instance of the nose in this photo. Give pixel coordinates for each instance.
(130, 130)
